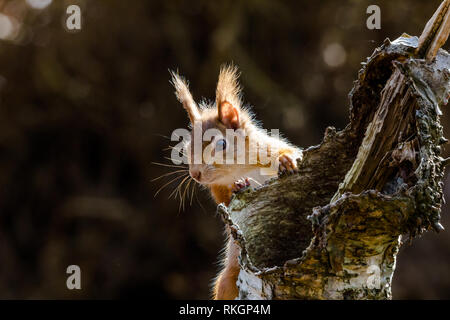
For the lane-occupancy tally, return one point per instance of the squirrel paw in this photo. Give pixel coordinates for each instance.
(287, 165)
(240, 185)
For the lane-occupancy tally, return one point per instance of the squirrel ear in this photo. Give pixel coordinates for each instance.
(229, 115)
(184, 96)
(228, 89)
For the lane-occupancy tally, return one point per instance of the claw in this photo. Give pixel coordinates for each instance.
(287, 165)
(240, 185)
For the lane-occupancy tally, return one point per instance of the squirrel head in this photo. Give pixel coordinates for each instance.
(225, 115)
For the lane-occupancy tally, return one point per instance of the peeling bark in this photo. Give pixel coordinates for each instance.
(333, 231)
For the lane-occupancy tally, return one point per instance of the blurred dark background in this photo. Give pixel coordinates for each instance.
(84, 115)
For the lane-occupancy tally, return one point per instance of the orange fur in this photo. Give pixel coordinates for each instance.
(225, 287)
(221, 194)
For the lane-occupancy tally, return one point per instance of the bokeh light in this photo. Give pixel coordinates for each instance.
(38, 4)
(334, 55)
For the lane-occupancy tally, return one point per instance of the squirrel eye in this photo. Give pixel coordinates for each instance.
(221, 145)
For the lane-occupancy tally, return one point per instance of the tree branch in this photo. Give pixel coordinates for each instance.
(361, 188)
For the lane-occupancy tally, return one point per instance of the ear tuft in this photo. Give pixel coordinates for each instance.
(229, 115)
(228, 88)
(184, 96)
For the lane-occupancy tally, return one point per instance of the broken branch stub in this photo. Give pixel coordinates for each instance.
(361, 188)
(436, 32)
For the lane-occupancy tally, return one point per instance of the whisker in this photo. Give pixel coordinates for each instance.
(176, 190)
(167, 158)
(174, 179)
(161, 135)
(169, 165)
(183, 154)
(192, 193)
(181, 150)
(169, 174)
(185, 190)
(180, 193)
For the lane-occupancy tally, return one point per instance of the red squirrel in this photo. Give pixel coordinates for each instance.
(222, 179)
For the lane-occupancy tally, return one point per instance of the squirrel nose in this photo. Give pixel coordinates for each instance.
(196, 175)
